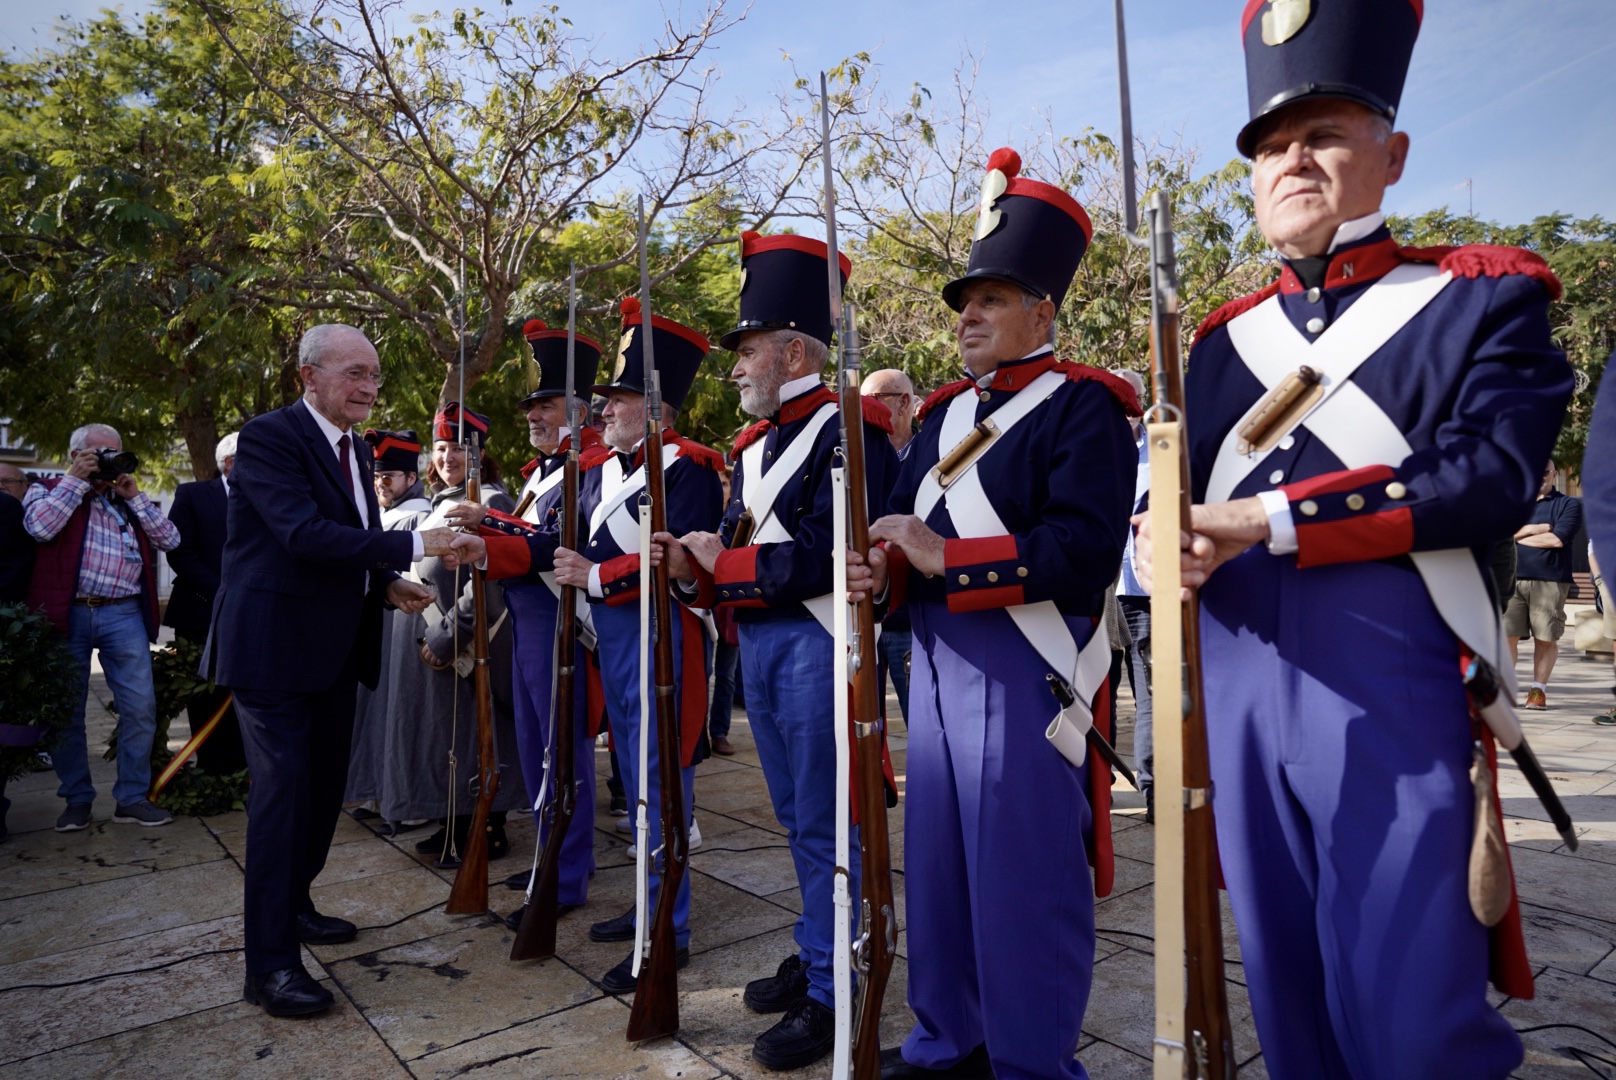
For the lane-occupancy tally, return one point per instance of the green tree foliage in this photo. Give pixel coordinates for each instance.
(128, 284)
(38, 680)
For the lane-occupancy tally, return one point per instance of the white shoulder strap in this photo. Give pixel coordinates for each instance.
(760, 488)
(960, 418)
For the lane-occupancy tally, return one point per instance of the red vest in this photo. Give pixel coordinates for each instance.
(56, 569)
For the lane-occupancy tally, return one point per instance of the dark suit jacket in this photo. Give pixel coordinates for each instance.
(16, 551)
(302, 582)
(199, 514)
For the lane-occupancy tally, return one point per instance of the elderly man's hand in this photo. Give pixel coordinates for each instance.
(437, 541)
(922, 546)
(465, 515)
(704, 547)
(408, 596)
(866, 575)
(1219, 532)
(572, 569)
(84, 465)
(467, 550)
(126, 486)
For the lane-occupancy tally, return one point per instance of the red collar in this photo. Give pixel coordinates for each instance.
(669, 438)
(804, 405)
(1014, 374)
(1355, 266)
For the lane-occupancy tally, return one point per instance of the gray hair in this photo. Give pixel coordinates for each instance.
(816, 351)
(317, 340)
(81, 436)
(225, 449)
(1133, 379)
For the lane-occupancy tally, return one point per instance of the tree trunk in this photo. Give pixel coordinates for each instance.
(201, 432)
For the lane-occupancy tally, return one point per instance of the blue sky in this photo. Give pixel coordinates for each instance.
(1518, 96)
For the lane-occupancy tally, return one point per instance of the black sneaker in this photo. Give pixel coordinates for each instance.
(618, 929)
(804, 1035)
(74, 818)
(781, 990)
(141, 812)
(619, 805)
(622, 980)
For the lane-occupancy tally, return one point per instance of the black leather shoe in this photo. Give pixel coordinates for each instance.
(804, 1035)
(618, 929)
(517, 882)
(287, 992)
(513, 921)
(974, 1066)
(433, 845)
(317, 929)
(780, 991)
(622, 980)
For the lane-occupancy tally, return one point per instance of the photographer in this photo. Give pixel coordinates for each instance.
(96, 578)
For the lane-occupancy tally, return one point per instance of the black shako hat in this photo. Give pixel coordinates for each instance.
(446, 425)
(679, 352)
(395, 451)
(785, 286)
(1352, 50)
(1028, 233)
(550, 353)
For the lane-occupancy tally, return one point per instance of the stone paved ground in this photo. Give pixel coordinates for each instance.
(119, 946)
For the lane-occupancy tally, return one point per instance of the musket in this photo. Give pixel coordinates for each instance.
(656, 997)
(536, 934)
(878, 941)
(470, 893)
(1193, 1037)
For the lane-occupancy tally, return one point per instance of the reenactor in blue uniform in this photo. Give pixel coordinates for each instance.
(1002, 546)
(533, 604)
(1342, 560)
(608, 569)
(771, 562)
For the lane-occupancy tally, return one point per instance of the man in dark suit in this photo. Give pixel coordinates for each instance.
(296, 625)
(199, 514)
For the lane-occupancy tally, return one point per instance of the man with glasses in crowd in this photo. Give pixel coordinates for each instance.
(95, 576)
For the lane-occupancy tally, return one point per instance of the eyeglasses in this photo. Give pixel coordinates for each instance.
(357, 375)
(10, 482)
(389, 477)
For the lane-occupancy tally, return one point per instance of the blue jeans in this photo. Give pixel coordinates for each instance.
(718, 714)
(891, 649)
(118, 632)
(1136, 609)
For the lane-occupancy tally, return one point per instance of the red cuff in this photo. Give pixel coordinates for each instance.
(983, 573)
(1359, 539)
(1337, 482)
(735, 578)
(620, 579)
(508, 557)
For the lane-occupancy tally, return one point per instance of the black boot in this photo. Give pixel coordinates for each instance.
(804, 1035)
(779, 992)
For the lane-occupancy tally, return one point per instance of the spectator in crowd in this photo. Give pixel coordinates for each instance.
(95, 576)
(432, 709)
(404, 506)
(199, 513)
(297, 625)
(16, 546)
(893, 389)
(1135, 604)
(1542, 583)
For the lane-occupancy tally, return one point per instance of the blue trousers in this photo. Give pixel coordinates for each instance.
(1341, 748)
(787, 664)
(725, 659)
(890, 651)
(618, 630)
(999, 892)
(1136, 609)
(533, 628)
(118, 632)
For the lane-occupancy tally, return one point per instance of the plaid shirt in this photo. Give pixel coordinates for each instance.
(111, 565)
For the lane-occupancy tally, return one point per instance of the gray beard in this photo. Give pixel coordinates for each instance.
(758, 401)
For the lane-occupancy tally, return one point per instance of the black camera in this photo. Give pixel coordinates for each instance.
(111, 464)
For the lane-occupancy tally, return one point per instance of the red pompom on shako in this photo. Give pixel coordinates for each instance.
(1028, 233)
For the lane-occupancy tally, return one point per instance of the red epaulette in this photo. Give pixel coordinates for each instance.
(877, 413)
(594, 456)
(942, 394)
(705, 456)
(530, 468)
(748, 437)
(1487, 260)
(1236, 307)
(1119, 388)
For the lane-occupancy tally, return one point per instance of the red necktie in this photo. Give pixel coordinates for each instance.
(347, 474)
